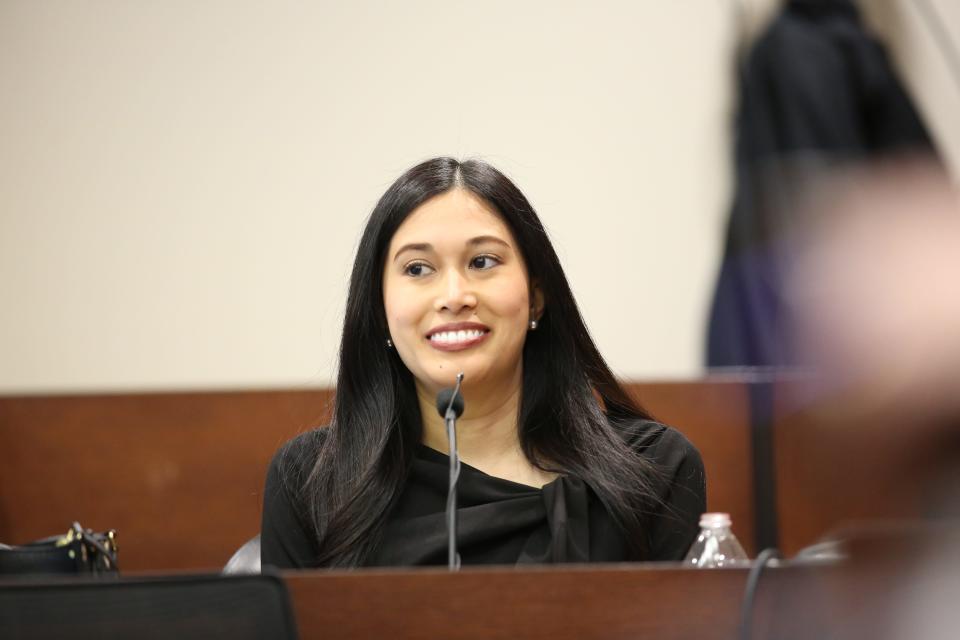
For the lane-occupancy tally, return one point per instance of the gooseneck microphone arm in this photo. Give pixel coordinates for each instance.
(450, 407)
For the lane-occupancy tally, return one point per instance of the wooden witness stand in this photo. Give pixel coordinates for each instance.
(660, 601)
(860, 598)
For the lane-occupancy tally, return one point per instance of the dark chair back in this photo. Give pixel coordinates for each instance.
(187, 607)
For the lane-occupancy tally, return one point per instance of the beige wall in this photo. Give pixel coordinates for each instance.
(182, 184)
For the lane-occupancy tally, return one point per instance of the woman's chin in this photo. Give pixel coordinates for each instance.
(480, 375)
(447, 378)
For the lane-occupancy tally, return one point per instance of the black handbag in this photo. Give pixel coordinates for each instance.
(79, 551)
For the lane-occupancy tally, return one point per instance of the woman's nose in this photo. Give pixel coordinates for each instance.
(456, 293)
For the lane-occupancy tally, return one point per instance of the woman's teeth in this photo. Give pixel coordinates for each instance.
(452, 337)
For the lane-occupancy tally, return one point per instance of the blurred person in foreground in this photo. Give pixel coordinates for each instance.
(875, 289)
(455, 273)
(874, 285)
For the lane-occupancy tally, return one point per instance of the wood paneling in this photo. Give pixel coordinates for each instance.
(860, 599)
(178, 475)
(619, 601)
(840, 460)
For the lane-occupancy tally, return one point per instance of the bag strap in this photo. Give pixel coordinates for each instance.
(104, 546)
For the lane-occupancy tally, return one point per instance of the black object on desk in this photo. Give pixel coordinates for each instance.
(181, 607)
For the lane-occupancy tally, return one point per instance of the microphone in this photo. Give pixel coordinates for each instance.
(450, 400)
(450, 407)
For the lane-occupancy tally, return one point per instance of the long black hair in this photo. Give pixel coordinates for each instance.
(572, 408)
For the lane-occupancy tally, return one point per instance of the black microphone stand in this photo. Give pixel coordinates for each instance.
(450, 409)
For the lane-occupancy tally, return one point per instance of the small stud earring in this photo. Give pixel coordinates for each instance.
(533, 325)
(389, 343)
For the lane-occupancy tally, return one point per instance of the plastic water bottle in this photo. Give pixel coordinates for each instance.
(716, 546)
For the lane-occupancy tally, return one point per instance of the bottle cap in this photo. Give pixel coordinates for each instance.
(715, 520)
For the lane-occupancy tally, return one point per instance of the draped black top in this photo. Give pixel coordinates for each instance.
(499, 521)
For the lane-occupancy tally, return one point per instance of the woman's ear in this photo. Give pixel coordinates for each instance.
(536, 301)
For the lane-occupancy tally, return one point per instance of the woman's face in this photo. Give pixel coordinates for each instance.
(456, 294)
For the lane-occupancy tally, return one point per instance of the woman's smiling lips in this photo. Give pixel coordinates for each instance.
(457, 336)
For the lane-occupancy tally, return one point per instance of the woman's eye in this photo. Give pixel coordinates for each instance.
(417, 269)
(483, 262)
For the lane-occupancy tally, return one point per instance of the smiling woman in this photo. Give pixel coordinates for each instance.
(457, 296)
(455, 273)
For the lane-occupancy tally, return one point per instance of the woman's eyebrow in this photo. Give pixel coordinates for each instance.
(413, 246)
(484, 239)
(472, 242)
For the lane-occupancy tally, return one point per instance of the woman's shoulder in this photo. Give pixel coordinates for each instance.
(290, 469)
(286, 539)
(307, 442)
(661, 443)
(679, 483)
(298, 455)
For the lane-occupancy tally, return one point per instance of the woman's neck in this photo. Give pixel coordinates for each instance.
(487, 434)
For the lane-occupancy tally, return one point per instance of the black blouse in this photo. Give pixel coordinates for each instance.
(499, 521)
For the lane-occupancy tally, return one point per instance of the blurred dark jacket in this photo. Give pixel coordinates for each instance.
(816, 91)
